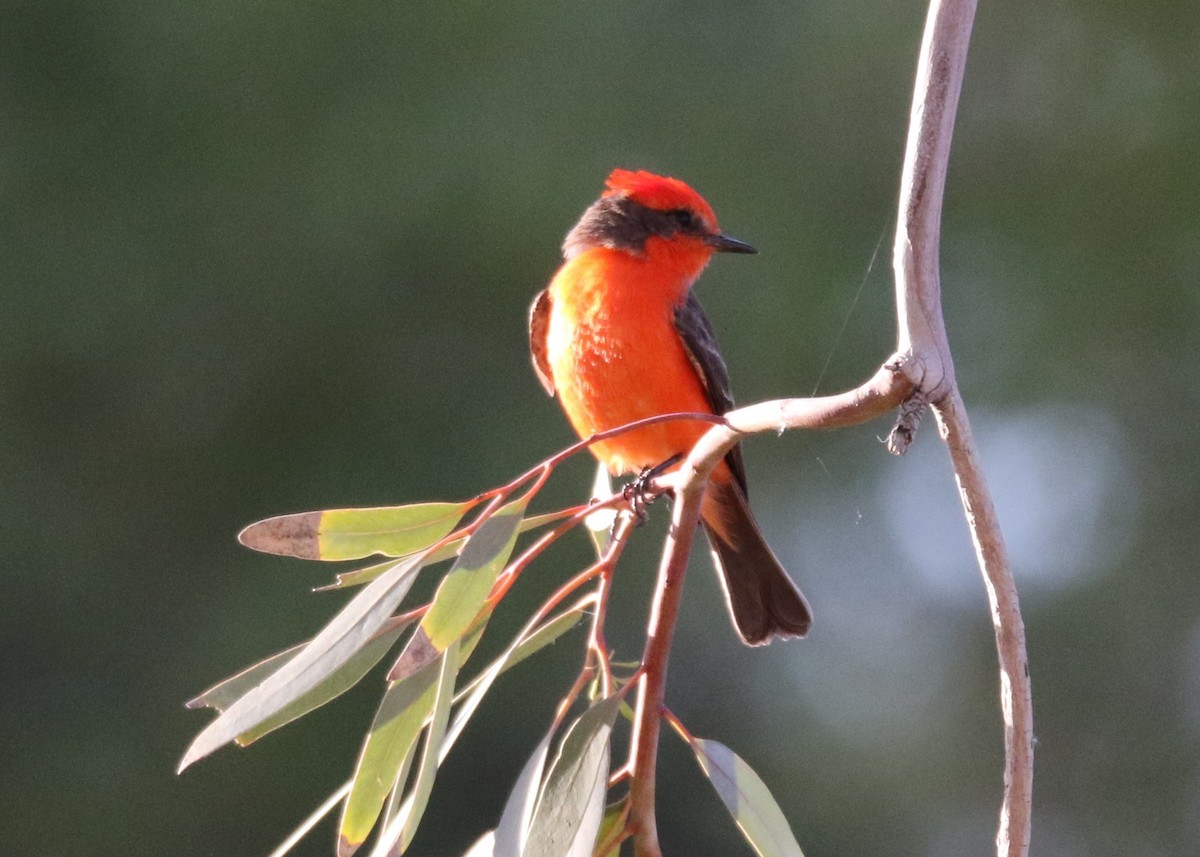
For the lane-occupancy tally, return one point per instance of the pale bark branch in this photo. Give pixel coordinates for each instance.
(1016, 695)
(920, 373)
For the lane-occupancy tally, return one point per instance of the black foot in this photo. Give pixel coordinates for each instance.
(636, 491)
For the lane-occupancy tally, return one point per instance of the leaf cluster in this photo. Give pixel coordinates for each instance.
(569, 804)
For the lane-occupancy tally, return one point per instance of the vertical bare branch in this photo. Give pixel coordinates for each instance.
(1016, 695)
(920, 373)
(922, 332)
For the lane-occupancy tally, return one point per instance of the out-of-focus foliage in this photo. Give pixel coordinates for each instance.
(268, 257)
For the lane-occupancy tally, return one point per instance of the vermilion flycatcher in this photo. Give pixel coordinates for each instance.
(618, 336)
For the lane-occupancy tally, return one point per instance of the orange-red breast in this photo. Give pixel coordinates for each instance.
(618, 336)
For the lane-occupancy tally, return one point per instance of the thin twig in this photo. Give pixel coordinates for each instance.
(543, 468)
(593, 664)
(513, 570)
(597, 643)
(559, 595)
(598, 654)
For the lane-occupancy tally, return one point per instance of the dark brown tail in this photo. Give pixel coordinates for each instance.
(763, 601)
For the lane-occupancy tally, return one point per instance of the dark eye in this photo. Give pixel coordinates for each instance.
(685, 219)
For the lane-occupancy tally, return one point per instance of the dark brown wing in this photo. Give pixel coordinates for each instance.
(539, 326)
(701, 345)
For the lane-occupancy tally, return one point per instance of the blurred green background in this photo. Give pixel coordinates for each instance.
(267, 257)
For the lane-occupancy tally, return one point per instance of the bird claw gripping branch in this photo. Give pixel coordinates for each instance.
(639, 491)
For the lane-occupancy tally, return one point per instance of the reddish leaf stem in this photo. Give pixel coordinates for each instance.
(547, 465)
(596, 642)
(608, 560)
(585, 675)
(597, 646)
(677, 724)
(510, 574)
(602, 567)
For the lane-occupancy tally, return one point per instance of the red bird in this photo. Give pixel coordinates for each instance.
(618, 336)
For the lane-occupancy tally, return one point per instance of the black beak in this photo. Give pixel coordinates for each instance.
(725, 244)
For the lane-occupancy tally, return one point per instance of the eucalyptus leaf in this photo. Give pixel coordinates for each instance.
(431, 756)
(748, 800)
(615, 816)
(228, 691)
(338, 682)
(571, 803)
(450, 550)
(360, 576)
(345, 635)
(338, 534)
(465, 588)
(392, 807)
(398, 723)
(513, 829)
(220, 696)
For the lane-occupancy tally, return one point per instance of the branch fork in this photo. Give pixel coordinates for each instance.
(920, 374)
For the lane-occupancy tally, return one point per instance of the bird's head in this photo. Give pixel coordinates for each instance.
(641, 213)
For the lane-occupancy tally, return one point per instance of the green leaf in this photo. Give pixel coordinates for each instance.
(337, 534)
(393, 736)
(571, 803)
(397, 833)
(228, 691)
(471, 639)
(392, 806)
(348, 632)
(748, 800)
(513, 829)
(473, 693)
(338, 682)
(361, 575)
(419, 651)
(465, 588)
(433, 743)
(615, 816)
(447, 551)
